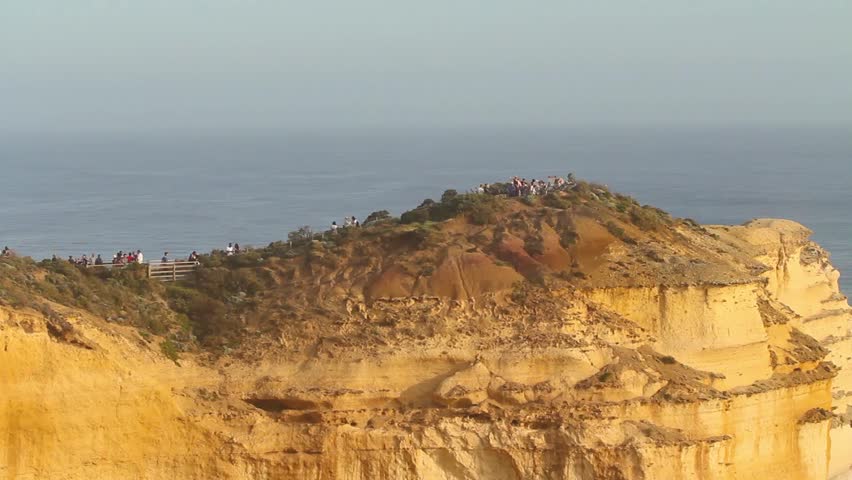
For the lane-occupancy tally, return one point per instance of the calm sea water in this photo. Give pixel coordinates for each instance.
(80, 194)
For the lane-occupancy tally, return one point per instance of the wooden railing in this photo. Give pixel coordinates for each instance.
(171, 271)
(163, 271)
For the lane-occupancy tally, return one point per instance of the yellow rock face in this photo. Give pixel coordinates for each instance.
(675, 380)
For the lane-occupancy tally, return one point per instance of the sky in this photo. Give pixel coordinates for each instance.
(131, 65)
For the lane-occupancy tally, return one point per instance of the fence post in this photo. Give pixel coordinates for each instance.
(149, 270)
(174, 271)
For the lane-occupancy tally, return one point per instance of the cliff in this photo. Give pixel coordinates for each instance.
(577, 336)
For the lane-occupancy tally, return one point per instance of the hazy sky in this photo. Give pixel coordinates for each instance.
(68, 65)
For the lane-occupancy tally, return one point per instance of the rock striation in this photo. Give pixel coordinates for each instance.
(563, 338)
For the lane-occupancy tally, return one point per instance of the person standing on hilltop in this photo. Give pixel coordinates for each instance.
(230, 250)
(165, 258)
(334, 226)
(139, 257)
(193, 257)
(99, 260)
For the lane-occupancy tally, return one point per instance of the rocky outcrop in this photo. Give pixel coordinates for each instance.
(492, 355)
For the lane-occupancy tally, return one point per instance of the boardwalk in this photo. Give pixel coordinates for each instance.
(163, 271)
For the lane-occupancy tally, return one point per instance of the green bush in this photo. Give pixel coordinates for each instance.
(619, 233)
(251, 258)
(376, 217)
(480, 209)
(482, 214)
(647, 219)
(567, 238)
(498, 189)
(170, 350)
(418, 215)
(555, 200)
(303, 234)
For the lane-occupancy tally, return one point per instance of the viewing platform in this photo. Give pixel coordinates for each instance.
(163, 271)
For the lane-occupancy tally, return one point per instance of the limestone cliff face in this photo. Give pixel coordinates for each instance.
(466, 371)
(100, 409)
(802, 279)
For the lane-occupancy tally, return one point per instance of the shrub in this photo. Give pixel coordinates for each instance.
(418, 215)
(449, 195)
(481, 209)
(274, 249)
(646, 218)
(534, 245)
(304, 233)
(554, 200)
(170, 350)
(567, 238)
(529, 200)
(481, 215)
(251, 258)
(378, 216)
(498, 189)
(210, 319)
(619, 233)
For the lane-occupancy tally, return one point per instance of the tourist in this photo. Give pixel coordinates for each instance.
(334, 226)
(139, 257)
(7, 252)
(230, 250)
(98, 260)
(84, 261)
(193, 257)
(236, 248)
(165, 258)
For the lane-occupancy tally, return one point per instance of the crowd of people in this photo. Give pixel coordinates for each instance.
(122, 258)
(521, 187)
(350, 221)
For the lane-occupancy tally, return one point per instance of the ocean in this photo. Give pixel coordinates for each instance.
(75, 194)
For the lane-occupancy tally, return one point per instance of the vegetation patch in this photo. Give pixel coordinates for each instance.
(618, 232)
(170, 350)
(479, 208)
(555, 200)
